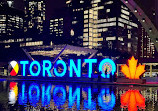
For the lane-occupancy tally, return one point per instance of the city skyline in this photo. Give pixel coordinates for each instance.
(93, 24)
(78, 55)
(51, 6)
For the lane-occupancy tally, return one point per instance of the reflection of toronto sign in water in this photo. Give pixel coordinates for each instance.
(74, 68)
(45, 93)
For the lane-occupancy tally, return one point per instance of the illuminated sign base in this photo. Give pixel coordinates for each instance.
(59, 79)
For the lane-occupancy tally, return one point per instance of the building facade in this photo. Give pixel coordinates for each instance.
(56, 27)
(34, 15)
(146, 48)
(11, 25)
(104, 24)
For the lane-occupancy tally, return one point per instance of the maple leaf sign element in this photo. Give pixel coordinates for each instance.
(132, 71)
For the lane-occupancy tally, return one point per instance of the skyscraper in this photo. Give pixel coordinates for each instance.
(56, 27)
(56, 30)
(11, 25)
(104, 24)
(108, 23)
(146, 48)
(76, 8)
(34, 15)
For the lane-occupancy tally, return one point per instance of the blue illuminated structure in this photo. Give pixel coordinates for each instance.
(64, 68)
(47, 69)
(111, 68)
(38, 68)
(106, 67)
(90, 69)
(24, 67)
(76, 69)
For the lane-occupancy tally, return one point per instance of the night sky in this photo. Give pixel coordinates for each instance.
(52, 7)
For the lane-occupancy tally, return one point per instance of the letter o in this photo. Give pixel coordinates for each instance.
(64, 68)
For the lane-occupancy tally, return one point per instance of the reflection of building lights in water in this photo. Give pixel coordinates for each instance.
(131, 99)
(13, 92)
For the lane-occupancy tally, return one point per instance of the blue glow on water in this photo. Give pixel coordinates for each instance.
(73, 96)
(46, 94)
(90, 104)
(34, 94)
(23, 95)
(106, 99)
(28, 95)
(59, 95)
(73, 67)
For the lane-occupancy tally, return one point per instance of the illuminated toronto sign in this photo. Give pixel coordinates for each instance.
(73, 68)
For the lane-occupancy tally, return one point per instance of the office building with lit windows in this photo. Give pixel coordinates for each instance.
(34, 15)
(34, 19)
(146, 48)
(56, 27)
(12, 28)
(104, 24)
(108, 24)
(76, 9)
(11, 25)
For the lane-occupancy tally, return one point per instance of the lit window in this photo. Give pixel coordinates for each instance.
(85, 21)
(85, 16)
(109, 2)
(107, 10)
(86, 12)
(124, 12)
(110, 38)
(124, 16)
(81, 1)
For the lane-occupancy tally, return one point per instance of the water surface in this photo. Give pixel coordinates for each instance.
(47, 96)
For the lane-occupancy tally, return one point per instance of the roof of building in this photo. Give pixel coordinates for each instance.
(56, 49)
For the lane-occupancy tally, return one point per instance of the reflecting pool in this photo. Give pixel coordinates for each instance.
(40, 96)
